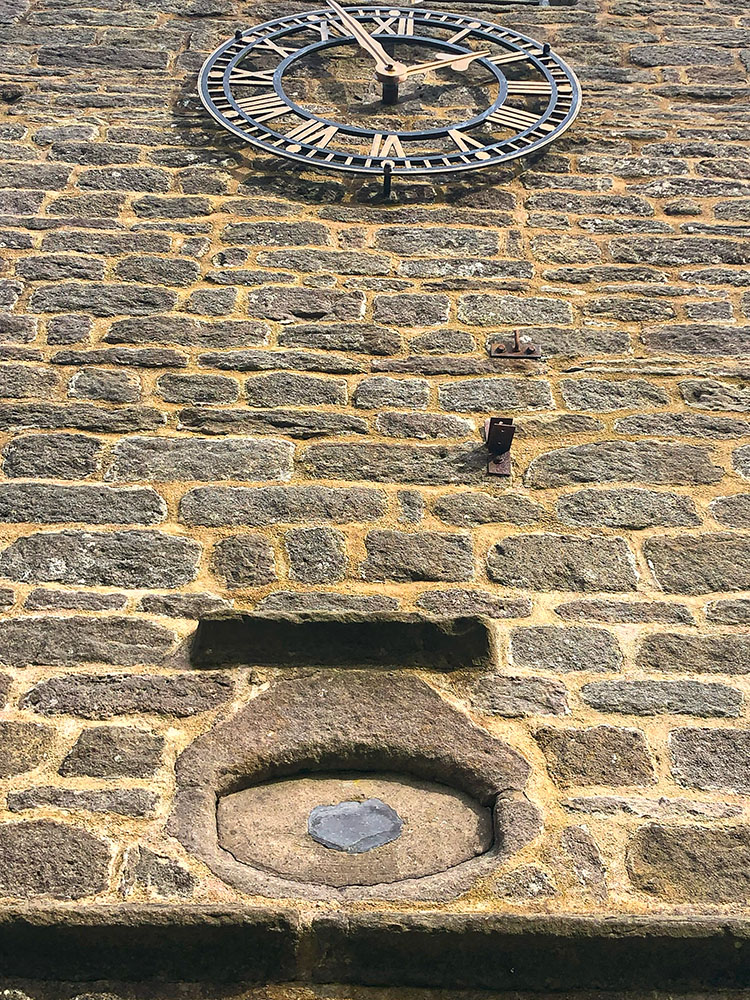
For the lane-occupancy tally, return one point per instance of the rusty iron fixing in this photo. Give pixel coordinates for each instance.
(515, 348)
(498, 436)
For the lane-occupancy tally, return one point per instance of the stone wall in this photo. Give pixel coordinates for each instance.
(228, 384)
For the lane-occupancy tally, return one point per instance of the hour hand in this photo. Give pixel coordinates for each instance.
(362, 37)
(457, 62)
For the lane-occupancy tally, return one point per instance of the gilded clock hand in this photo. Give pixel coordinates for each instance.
(363, 37)
(389, 72)
(459, 63)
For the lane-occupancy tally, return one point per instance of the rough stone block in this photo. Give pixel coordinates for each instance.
(562, 562)
(100, 383)
(715, 654)
(137, 802)
(108, 559)
(553, 647)
(114, 752)
(288, 304)
(184, 459)
(411, 310)
(397, 463)
(663, 698)
(602, 755)
(519, 697)
(503, 310)
(712, 758)
(691, 863)
(484, 395)
(285, 389)
(448, 603)
(23, 746)
(360, 338)
(244, 561)
(624, 461)
(601, 396)
(103, 696)
(625, 612)
(197, 389)
(699, 564)
(428, 555)
(70, 641)
(729, 612)
(627, 508)
(469, 510)
(62, 456)
(52, 859)
(263, 505)
(316, 555)
(382, 391)
(47, 503)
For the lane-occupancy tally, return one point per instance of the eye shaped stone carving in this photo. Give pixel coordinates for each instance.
(427, 827)
(458, 789)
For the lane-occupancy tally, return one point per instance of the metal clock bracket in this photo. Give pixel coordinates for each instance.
(498, 436)
(515, 348)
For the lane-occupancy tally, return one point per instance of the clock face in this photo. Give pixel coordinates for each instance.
(373, 88)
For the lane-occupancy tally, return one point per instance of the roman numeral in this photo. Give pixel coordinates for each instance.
(529, 87)
(467, 144)
(271, 46)
(406, 24)
(454, 39)
(263, 108)
(252, 78)
(510, 57)
(384, 27)
(312, 133)
(516, 119)
(383, 144)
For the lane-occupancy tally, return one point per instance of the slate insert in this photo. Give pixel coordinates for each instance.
(354, 827)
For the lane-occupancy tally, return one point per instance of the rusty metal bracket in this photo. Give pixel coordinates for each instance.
(515, 348)
(498, 436)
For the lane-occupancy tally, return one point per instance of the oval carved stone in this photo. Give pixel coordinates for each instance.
(267, 826)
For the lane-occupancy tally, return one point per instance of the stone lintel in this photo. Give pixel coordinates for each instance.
(452, 951)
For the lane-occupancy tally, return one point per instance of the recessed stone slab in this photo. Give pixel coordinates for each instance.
(353, 828)
(346, 639)
(350, 721)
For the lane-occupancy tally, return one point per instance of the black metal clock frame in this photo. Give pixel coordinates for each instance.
(308, 142)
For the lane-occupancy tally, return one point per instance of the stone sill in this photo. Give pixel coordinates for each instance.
(470, 951)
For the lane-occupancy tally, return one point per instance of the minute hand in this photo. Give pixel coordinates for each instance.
(363, 37)
(459, 63)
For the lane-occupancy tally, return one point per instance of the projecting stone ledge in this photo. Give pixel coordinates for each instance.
(395, 949)
(348, 639)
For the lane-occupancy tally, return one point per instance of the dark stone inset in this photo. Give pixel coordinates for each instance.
(345, 639)
(355, 827)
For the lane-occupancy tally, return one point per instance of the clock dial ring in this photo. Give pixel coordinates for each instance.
(404, 134)
(308, 141)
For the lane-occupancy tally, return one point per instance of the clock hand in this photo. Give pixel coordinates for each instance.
(459, 63)
(363, 37)
(387, 70)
